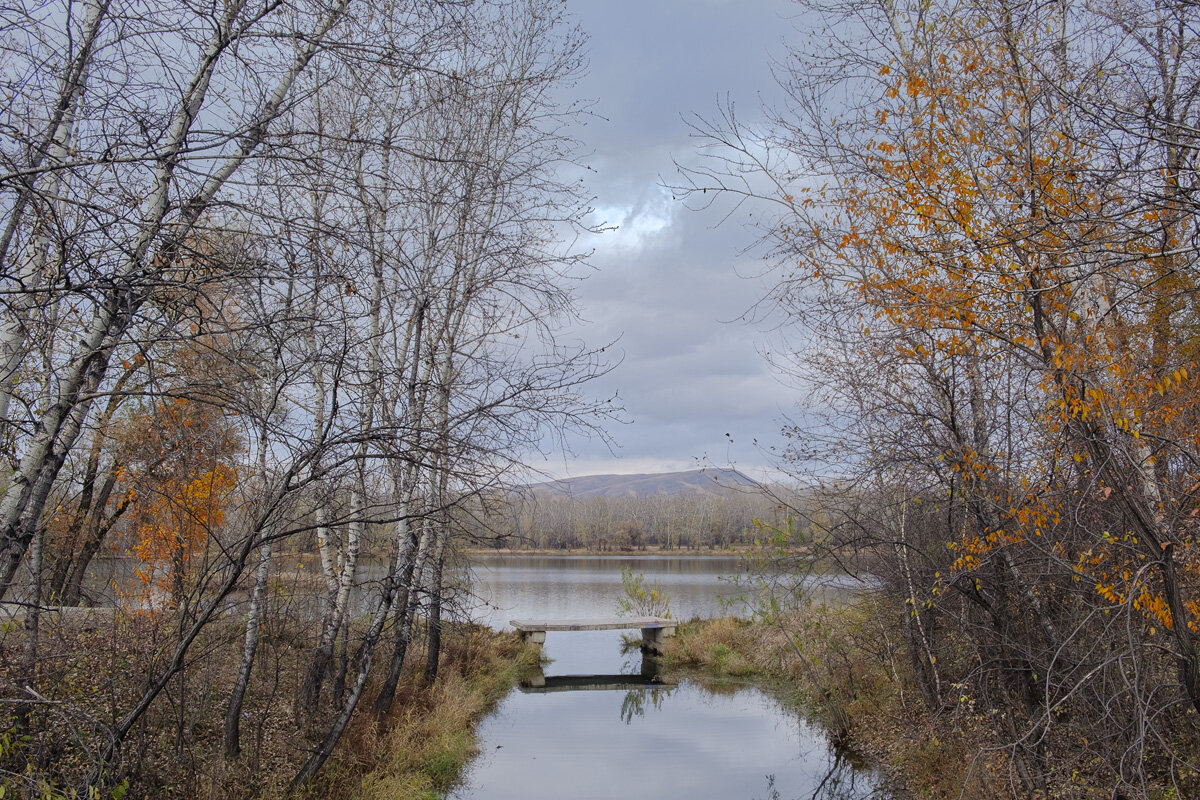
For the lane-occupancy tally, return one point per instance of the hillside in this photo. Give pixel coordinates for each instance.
(695, 481)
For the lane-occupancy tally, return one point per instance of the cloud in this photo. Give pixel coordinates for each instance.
(665, 280)
(636, 223)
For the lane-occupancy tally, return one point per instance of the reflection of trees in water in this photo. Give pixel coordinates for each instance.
(772, 792)
(848, 776)
(843, 780)
(634, 704)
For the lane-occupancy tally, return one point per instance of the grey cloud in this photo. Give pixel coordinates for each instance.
(665, 280)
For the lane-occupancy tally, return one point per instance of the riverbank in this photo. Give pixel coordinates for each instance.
(846, 675)
(415, 752)
(419, 751)
(677, 552)
(826, 660)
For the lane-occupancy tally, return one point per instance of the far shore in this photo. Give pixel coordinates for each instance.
(730, 551)
(736, 550)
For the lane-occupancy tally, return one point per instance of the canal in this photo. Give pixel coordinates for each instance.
(689, 737)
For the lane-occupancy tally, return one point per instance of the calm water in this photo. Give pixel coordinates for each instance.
(510, 586)
(605, 737)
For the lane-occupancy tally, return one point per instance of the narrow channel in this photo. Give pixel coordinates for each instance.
(605, 725)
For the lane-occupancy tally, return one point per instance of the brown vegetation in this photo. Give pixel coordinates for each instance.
(988, 248)
(95, 665)
(853, 679)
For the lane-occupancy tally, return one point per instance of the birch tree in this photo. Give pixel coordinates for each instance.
(980, 220)
(162, 171)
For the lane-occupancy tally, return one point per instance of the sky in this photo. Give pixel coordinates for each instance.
(669, 282)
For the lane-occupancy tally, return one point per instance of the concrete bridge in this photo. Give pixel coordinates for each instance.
(540, 683)
(655, 630)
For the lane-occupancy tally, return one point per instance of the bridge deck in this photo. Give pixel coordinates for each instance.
(602, 624)
(542, 684)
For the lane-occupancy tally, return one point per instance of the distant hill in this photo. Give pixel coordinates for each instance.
(703, 481)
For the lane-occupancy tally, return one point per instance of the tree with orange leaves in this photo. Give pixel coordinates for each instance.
(183, 472)
(992, 251)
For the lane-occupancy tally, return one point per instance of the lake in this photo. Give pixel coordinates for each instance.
(614, 730)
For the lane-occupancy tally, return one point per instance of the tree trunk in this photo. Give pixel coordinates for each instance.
(233, 713)
(325, 749)
(33, 617)
(433, 651)
(410, 546)
(98, 530)
(404, 566)
(334, 616)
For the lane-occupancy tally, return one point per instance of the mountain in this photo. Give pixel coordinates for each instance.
(701, 481)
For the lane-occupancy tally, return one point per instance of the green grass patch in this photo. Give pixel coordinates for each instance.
(421, 750)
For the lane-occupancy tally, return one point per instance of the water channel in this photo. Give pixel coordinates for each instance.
(623, 732)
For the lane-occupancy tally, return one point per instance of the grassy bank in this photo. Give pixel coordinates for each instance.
(419, 752)
(846, 672)
(415, 752)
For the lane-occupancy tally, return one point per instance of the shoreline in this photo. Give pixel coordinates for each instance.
(714, 552)
(862, 720)
(429, 749)
(422, 749)
(826, 658)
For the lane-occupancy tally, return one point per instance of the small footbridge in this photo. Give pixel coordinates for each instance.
(537, 682)
(655, 630)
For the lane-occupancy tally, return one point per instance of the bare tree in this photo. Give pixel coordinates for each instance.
(980, 214)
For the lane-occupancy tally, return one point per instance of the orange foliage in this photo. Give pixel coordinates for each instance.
(972, 231)
(176, 523)
(185, 475)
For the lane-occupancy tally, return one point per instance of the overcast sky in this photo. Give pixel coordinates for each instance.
(667, 281)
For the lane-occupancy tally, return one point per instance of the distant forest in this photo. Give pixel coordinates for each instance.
(625, 523)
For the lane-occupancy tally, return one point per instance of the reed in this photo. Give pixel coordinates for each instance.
(837, 665)
(419, 752)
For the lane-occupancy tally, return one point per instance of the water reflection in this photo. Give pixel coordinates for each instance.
(568, 736)
(697, 740)
(536, 681)
(658, 741)
(648, 676)
(634, 704)
(844, 780)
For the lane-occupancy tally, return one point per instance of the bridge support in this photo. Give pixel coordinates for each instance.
(534, 637)
(654, 640)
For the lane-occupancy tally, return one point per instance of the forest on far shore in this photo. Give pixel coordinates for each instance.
(693, 520)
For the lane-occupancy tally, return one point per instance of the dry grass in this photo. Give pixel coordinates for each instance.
(839, 666)
(96, 672)
(420, 751)
(722, 647)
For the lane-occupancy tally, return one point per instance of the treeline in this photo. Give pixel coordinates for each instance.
(667, 521)
(272, 276)
(988, 244)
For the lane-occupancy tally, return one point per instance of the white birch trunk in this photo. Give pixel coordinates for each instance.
(30, 272)
(56, 432)
(233, 713)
